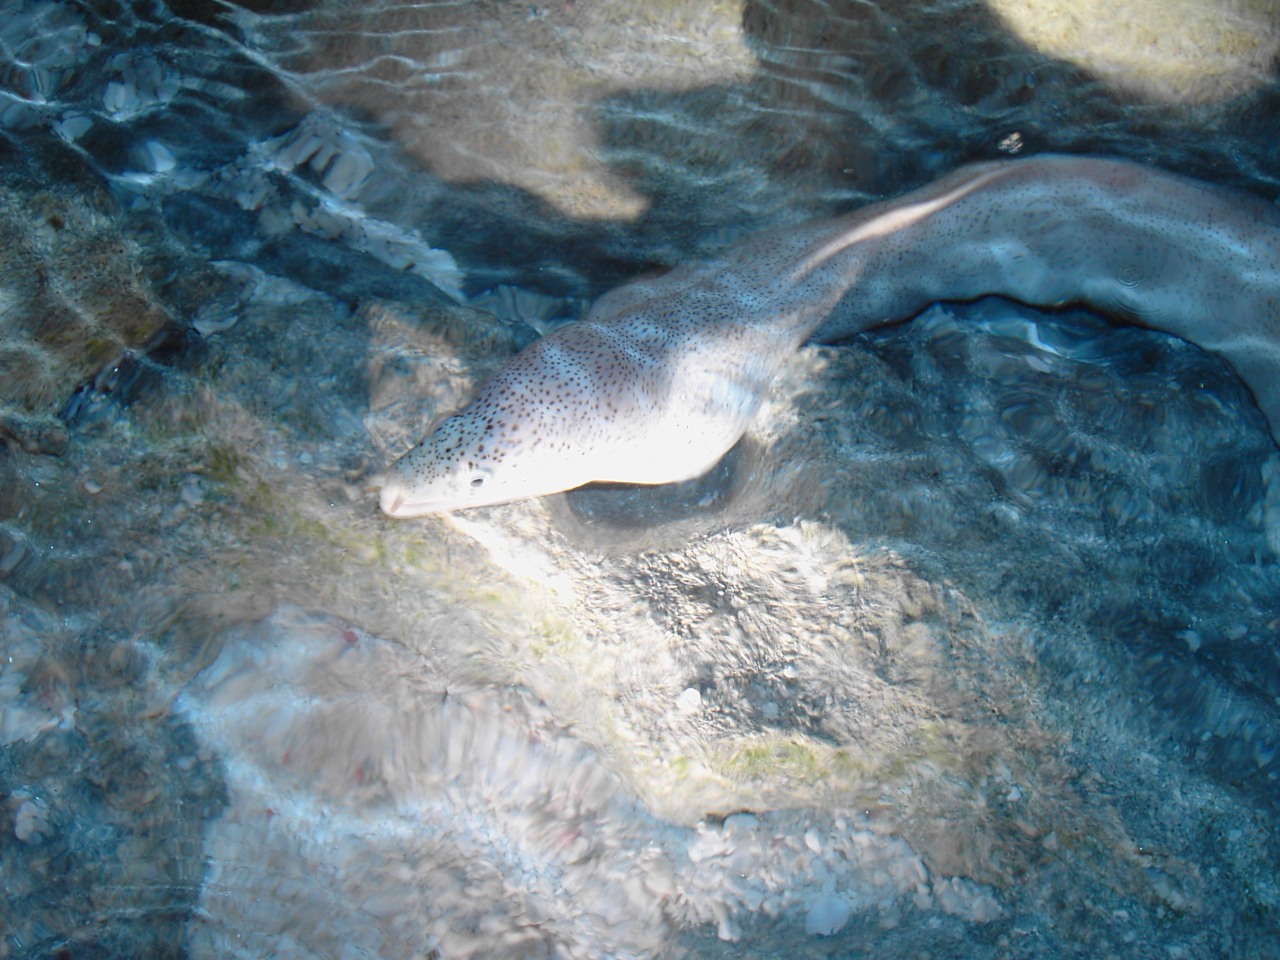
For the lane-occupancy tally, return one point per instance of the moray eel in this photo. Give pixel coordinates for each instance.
(664, 375)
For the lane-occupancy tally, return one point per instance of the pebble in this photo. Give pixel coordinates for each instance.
(689, 701)
(73, 126)
(31, 823)
(159, 157)
(190, 493)
(828, 916)
(706, 845)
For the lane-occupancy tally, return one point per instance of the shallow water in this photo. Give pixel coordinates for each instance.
(969, 649)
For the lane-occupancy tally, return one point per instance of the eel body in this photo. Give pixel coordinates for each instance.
(664, 375)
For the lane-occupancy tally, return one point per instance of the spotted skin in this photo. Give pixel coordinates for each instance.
(665, 374)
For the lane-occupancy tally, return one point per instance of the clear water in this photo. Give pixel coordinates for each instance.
(970, 649)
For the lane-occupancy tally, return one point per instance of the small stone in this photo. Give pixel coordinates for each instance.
(31, 823)
(728, 931)
(190, 492)
(689, 701)
(827, 916)
(12, 556)
(660, 881)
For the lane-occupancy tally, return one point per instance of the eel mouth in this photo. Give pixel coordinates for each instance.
(391, 500)
(396, 500)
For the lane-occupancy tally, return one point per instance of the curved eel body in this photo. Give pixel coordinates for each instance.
(664, 375)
